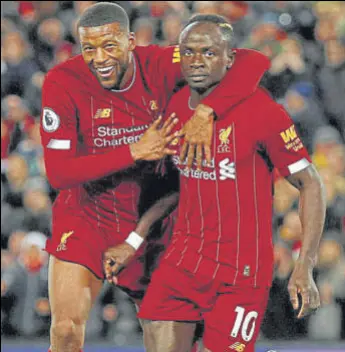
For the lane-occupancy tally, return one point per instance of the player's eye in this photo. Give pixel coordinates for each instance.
(87, 49)
(110, 46)
(187, 52)
(209, 53)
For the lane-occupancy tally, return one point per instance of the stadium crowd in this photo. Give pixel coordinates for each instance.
(306, 43)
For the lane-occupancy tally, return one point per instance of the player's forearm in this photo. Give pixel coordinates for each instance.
(312, 214)
(223, 97)
(68, 172)
(158, 211)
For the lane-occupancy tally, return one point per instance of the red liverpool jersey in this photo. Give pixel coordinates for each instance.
(223, 227)
(86, 132)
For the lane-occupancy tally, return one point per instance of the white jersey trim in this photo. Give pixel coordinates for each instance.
(298, 166)
(59, 144)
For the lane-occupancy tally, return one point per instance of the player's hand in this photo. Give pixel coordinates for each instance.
(197, 134)
(302, 284)
(154, 144)
(115, 258)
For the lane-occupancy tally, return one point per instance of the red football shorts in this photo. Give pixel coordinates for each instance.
(232, 314)
(78, 241)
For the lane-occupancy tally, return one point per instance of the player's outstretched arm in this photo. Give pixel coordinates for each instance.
(288, 154)
(312, 214)
(64, 167)
(119, 256)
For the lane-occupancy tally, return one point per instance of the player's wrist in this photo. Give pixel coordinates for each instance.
(307, 261)
(135, 151)
(134, 240)
(206, 111)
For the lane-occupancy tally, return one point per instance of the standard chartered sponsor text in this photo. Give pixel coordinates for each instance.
(201, 175)
(106, 131)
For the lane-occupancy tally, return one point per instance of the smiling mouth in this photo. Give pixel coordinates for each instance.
(105, 72)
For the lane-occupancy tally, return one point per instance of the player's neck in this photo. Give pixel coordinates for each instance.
(128, 76)
(197, 95)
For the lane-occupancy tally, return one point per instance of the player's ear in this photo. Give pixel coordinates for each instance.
(231, 58)
(132, 41)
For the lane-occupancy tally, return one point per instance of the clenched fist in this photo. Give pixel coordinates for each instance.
(302, 283)
(115, 258)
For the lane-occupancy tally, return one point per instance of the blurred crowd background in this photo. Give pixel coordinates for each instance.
(306, 43)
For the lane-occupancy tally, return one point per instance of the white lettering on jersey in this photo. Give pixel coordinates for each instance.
(106, 131)
(103, 142)
(227, 169)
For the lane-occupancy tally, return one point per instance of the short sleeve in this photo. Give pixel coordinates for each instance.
(283, 144)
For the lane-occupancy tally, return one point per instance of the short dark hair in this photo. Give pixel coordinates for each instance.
(223, 24)
(104, 13)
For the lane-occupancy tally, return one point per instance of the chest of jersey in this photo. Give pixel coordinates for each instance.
(108, 119)
(233, 147)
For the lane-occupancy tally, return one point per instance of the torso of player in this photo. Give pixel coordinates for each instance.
(224, 214)
(107, 120)
(111, 118)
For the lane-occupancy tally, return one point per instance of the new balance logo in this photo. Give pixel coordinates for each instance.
(238, 347)
(102, 114)
(227, 170)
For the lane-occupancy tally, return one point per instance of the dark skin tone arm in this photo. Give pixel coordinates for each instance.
(119, 256)
(312, 215)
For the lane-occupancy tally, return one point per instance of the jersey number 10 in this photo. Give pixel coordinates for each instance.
(243, 320)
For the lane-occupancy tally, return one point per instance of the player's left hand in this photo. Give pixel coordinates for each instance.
(115, 258)
(197, 134)
(302, 283)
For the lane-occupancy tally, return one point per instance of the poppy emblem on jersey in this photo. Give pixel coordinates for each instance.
(153, 105)
(63, 241)
(176, 55)
(224, 135)
(102, 114)
(238, 347)
(50, 120)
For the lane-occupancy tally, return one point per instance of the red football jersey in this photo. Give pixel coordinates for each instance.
(86, 132)
(223, 228)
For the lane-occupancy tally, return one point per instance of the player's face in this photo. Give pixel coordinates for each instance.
(204, 56)
(106, 50)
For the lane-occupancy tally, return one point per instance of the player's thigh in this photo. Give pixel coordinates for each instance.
(168, 336)
(234, 322)
(72, 290)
